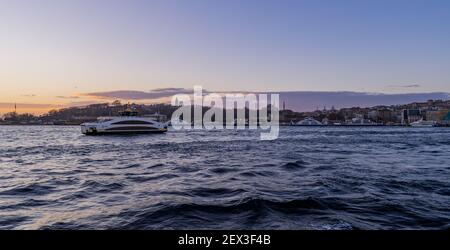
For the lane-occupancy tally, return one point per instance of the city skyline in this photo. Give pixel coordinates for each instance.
(299, 101)
(54, 54)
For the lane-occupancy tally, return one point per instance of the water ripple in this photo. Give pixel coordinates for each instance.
(310, 178)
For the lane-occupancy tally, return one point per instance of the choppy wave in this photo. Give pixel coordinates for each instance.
(310, 178)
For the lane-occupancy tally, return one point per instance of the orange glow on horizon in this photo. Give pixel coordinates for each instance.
(34, 111)
(40, 109)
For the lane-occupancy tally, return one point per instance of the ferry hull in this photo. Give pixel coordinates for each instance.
(156, 131)
(98, 129)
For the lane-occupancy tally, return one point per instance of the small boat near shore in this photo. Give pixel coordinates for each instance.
(422, 123)
(128, 122)
(308, 121)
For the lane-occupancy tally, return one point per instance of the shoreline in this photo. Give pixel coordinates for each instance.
(281, 125)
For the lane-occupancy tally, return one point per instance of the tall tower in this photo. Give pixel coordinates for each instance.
(284, 105)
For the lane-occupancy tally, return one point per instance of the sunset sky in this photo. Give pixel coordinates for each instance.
(56, 53)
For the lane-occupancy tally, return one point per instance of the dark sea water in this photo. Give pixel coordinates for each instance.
(54, 177)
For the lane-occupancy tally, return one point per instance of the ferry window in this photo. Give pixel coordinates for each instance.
(132, 122)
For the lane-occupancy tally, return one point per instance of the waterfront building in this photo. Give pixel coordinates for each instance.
(411, 115)
(385, 115)
(436, 115)
(373, 115)
(446, 119)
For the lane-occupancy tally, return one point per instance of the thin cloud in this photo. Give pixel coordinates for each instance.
(139, 95)
(169, 90)
(151, 95)
(82, 103)
(404, 86)
(67, 97)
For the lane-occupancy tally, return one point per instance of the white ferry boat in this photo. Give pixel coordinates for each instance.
(127, 122)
